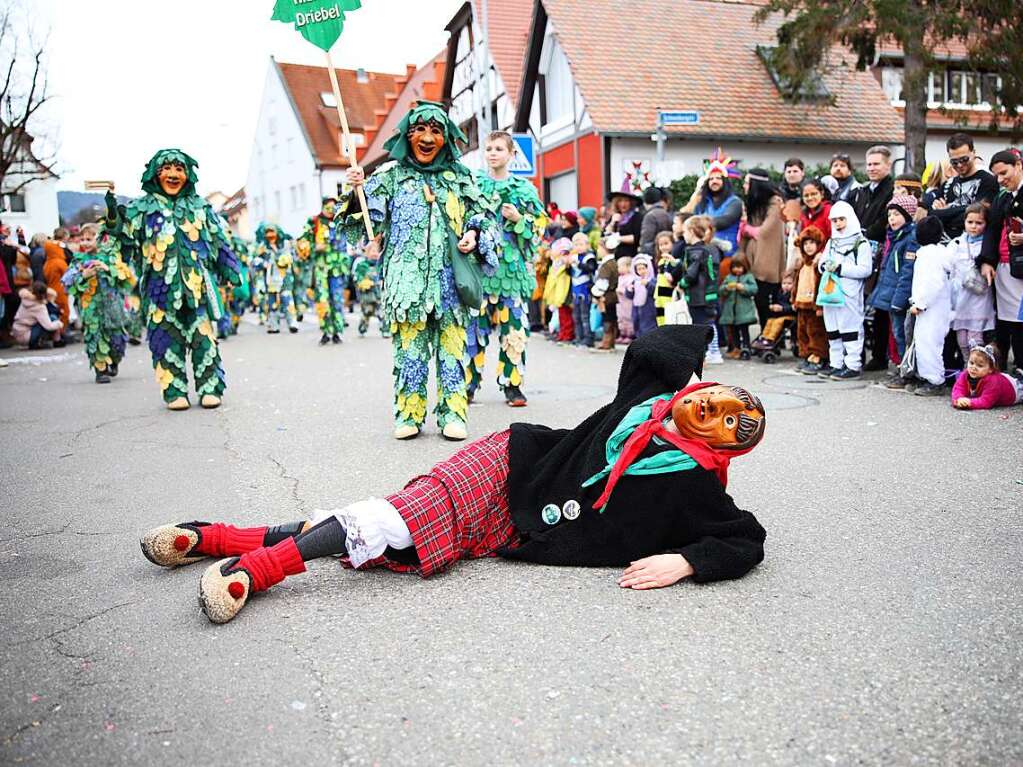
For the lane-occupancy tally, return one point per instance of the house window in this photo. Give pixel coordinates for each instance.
(891, 82)
(14, 203)
(301, 195)
(811, 89)
(271, 125)
(289, 148)
(558, 86)
(293, 191)
(277, 204)
(328, 100)
(273, 155)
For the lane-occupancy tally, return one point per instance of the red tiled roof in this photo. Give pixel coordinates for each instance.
(709, 64)
(509, 22)
(305, 85)
(427, 82)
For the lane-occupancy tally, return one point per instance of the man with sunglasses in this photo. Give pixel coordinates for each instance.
(970, 184)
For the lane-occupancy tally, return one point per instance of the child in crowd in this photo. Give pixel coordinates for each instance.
(605, 296)
(558, 290)
(816, 208)
(811, 336)
(537, 306)
(974, 298)
(38, 318)
(848, 257)
(931, 305)
(664, 245)
(584, 265)
(626, 331)
(895, 281)
(981, 386)
(780, 314)
(738, 310)
(641, 291)
(697, 272)
(909, 184)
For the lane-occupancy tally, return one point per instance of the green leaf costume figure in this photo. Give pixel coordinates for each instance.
(329, 249)
(275, 264)
(507, 292)
(179, 247)
(98, 281)
(415, 201)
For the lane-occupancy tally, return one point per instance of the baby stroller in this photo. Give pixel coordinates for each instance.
(771, 342)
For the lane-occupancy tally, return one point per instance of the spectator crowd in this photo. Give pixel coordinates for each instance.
(918, 276)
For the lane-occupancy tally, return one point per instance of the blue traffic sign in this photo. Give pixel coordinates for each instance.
(524, 161)
(680, 118)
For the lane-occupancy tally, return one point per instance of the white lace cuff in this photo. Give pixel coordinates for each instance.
(371, 525)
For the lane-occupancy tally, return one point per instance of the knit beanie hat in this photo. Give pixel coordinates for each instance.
(929, 231)
(571, 217)
(906, 204)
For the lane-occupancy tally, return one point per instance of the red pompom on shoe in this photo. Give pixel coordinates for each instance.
(182, 542)
(226, 585)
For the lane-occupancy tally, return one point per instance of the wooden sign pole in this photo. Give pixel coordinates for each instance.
(349, 146)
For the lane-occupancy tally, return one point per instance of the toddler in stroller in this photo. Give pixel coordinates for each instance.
(781, 320)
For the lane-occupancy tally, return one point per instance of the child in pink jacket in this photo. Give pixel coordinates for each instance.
(981, 386)
(33, 323)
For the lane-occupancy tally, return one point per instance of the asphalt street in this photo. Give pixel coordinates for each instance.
(883, 628)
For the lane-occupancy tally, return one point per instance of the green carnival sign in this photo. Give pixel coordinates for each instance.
(318, 21)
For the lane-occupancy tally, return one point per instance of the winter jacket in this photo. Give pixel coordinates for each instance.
(698, 271)
(53, 272)
(993, 390)
(32, 312)
(871, 206)
(641, 292)
(851, 252)
(766, 253)
(656, 220)
(932, 278)
(895, 281)
(726, 214)
(818, 218)
(606, 284)
(737, 306)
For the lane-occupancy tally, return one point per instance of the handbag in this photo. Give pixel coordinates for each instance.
(830, 292)
(677, 312)
(907, 368)
(466, 269)
(596, 319)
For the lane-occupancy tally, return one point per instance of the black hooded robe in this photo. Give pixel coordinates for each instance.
(687, 512)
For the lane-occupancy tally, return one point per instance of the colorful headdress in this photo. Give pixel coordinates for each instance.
(721, 163)
(264, 227)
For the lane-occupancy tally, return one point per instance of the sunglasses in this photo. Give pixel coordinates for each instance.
(960, 161)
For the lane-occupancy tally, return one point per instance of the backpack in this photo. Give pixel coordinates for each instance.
(22, 271)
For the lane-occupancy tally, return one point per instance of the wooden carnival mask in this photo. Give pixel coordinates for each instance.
(172, 178)
(426, 140)
(725, 417)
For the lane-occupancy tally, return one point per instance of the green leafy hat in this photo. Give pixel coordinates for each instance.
(398, 145)
(264, 227)
(151, 184)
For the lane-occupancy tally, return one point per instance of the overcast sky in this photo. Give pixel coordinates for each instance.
(134, 76)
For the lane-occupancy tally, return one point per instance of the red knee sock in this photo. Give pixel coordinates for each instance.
(219, 540)
(268, 566)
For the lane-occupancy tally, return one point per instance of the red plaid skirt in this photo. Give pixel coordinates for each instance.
(459, 510)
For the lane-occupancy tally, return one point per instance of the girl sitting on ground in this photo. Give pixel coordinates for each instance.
(38, 318)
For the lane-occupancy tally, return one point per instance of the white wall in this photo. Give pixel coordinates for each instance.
(40, 208)
(283, 184)
(685, 157)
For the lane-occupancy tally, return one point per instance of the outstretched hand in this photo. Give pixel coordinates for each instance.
(655, 572)
(468, 242)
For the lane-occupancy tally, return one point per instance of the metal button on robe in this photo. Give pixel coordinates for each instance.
(571, 509)
(551, 514)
